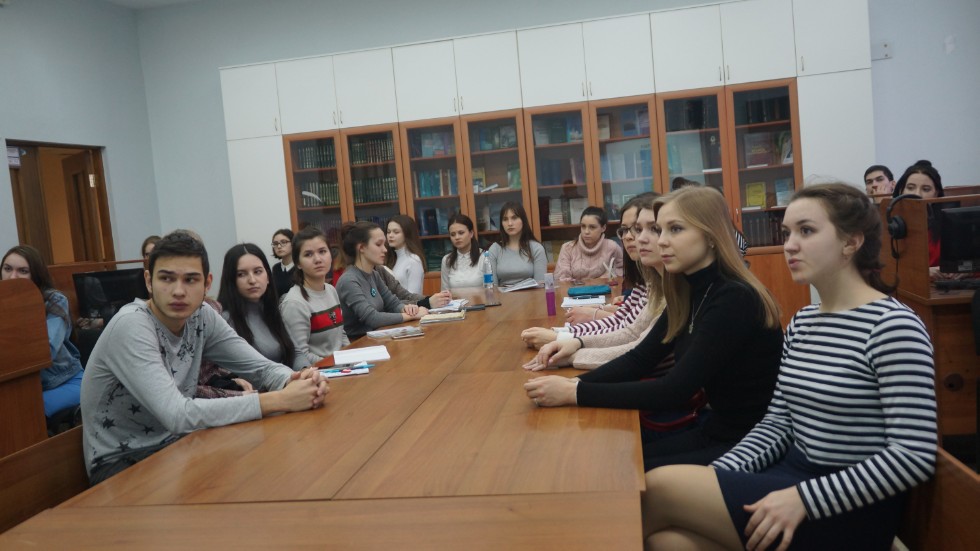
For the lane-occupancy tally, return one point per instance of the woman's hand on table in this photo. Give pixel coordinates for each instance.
(553, 355)
(440, 299)
(552, 391)
(537, 337)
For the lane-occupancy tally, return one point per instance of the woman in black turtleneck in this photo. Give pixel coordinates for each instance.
(721, 324)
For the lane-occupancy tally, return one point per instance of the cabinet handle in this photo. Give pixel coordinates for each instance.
(583, 89)
(728, 72)
(454, 105)
(275, 123)
(719, 73)
(341, 116)
(802, 65)
(335, 118)
(460, 104)
(590, 88)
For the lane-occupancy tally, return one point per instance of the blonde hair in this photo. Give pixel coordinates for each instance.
(704, 208)
(655, 290)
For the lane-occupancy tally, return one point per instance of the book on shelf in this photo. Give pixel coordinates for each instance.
(758, 148)
(629, 126)
(643, 122)
(557, 130)
(508, 136)
(603, 122)
(514, 176)
(784, 147)
(479, 178)
(755, 194)
(577, 168)
(784, 191)
(486, 138)
(540, 129)
(427, 147)
(574, 129)
(575, 209)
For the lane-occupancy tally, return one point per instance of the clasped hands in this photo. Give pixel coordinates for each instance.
(306, 389)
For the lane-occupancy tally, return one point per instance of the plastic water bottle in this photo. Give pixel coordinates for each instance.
(487, 271)
(549, 293)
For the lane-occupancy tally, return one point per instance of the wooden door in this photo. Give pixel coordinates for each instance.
(85, 210)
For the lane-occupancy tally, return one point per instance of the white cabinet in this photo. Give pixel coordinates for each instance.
(425, 81)
(488, 77)
(618, 57)
(250, 102)
(831, 36)
(258, 188)
(687, 50)
(307, 101)
(365, 85)
(758, 42)
(837, 124)
(552, 65)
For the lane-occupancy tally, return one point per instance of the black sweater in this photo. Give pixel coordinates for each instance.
(730, 354)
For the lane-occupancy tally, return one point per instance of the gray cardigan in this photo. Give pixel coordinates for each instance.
(363, 309)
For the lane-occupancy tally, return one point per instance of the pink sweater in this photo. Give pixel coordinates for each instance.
(575, 261)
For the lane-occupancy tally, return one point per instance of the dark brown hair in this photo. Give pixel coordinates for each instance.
(458, 218)
(412, 240)
(40, 277)
(526, 234)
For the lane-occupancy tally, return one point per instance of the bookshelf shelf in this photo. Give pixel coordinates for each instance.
(451, 157)
(484, 152)
(771, 249)
(766, 167)
(559, 145)
(628, 180)
(438, 236)
(315, 170)
(497, 191)
(750, 210)
(768, 124)
(369, 165)
(560, 227)
(693, 131)
(561, 186)
(378, 203)
(438, 197)
(319, 208)
(619, 139)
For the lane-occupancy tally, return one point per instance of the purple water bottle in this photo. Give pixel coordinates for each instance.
(549, 293)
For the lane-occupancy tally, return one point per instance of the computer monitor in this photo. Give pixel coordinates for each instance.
(959, 240)
(102, 294)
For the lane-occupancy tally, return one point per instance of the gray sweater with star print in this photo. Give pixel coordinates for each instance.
(138, 387)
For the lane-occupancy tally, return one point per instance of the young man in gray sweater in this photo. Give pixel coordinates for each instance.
(138, 387)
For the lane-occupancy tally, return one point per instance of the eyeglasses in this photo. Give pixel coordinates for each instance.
(282, 243)
(634, 231)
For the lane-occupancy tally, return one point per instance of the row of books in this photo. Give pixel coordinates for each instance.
(559, 172)
(763, 110)
(760, 195)
(488, 216)
(433, 220)
(371, 190)
(763, 228)
(626, 161)
(691, 114)
(435, 183)
(693, 153)
(371, 150)
(320, 193)
(318, 155)
(558, 211)
(557, 129)
(482, 185)
(435, 249)
(432, 144)
(767, 148)
(489, 138)
(330, 226)
(624, 123)
(380, 219)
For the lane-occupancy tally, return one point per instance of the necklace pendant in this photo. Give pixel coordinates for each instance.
(690, 327)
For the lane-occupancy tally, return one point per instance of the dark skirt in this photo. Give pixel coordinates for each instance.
(687, 445)
(867, 528)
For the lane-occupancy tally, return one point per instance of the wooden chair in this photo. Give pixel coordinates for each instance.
(942, 513)
(40, 477)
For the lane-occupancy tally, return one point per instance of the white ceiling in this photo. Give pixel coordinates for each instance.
(145, 4)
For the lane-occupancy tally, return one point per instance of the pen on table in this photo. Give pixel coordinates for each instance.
(348, 366)
(609, 268)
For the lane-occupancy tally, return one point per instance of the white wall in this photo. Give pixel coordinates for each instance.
(925, 96)
(70, 73)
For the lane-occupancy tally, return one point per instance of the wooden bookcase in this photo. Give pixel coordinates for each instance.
(374, 172)
(318, 194)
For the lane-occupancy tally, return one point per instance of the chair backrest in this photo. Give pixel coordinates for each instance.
(40, 477)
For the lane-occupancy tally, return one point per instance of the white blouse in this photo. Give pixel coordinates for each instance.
(409, 270)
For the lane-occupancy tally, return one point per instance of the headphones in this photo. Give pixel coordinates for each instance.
(897, 228)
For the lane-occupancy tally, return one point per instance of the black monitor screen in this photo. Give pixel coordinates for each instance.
(102, 294)
(959, 240)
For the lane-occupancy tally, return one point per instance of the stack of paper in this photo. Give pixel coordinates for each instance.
(356, 355)
(529, 283)
(396, 333)
(439, 318)
(572, 302)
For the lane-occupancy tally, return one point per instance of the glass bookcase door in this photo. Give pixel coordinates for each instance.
(495, 173)
(693, 141)
(625, 158)
(432, 162)
(373, 176)
(316, 186)
(764, 152)
(561, 177)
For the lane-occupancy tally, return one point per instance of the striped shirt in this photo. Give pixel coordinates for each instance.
(625, 315)
(855, 390)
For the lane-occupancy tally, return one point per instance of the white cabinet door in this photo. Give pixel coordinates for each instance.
(758, 40)
(552, 65)
(618, 57)
(365, 84)
(307, 101)
(831, 36)
(687, 48)
(837, 124)
(258, 188)
(425, 81)
(251, 106)
(488, 77)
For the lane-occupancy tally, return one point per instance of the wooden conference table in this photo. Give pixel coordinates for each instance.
(437, 448)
